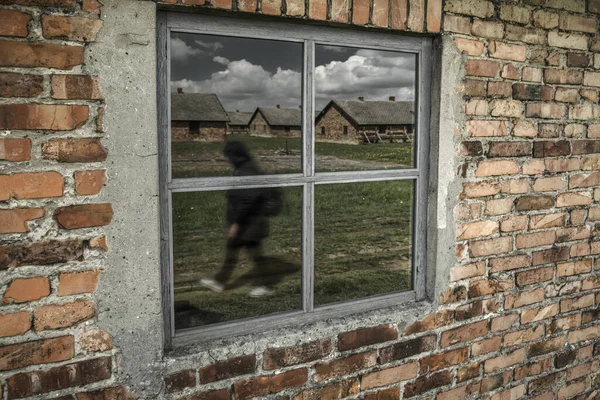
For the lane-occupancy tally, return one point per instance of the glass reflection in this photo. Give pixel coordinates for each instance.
(224, 89)
(365, 107)
(363, 240)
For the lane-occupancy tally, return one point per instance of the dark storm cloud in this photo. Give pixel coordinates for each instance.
(246, 73)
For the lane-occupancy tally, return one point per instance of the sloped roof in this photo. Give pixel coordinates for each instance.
(197, 107)
(239, 118)
(377, 112)
(281, 116)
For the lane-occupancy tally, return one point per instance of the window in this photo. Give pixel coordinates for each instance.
(194, 127)
(288, 229)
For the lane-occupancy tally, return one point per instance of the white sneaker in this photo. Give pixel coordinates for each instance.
(212, 285)
(260, 291)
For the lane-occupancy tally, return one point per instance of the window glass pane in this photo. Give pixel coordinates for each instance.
(268, 251)
(363, 239)
(365, 109)
(225, 88)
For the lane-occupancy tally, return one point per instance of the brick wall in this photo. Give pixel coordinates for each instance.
(333, 122)
(209, 131)
(519, 319)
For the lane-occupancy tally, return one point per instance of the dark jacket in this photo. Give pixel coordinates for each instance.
(245, 206)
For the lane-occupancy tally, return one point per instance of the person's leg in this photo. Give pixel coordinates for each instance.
(231, 258)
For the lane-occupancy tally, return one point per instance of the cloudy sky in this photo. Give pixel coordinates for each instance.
(246, 73)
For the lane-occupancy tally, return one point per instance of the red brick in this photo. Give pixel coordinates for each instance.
(95, 340)
(360, 12)
(42, 3)
(180, 380)
(121, 393)
(465, 333)
(71, 283)
(15, 149)
(486, 346)
(20, 85)
(542, 384)
(344, 366)
(228, 368)
(504, 322)
(466, 271)
(577, 303)
(536, 275)
(432, 321)
(535, 239)
(42, 116)
(475, 309)
(533, 369)
(484, 287)
(89, 182)
(84, 215)
(497, 167)
(380, 13)
(272, 7)
(453, 294)
(339, 11)
(509, 263)
(65, 376)
(366, 336)
(28, 289)
(15, 220)
(523, 336)
(488, 247)
(74, 150)
(44, 351)
(434, 15)
(224, 4)
(245, 5)
(399, 14)
(524, 298)
(482, 68)
(44, 55)
(56, 316)
(484, 128)
(44, 253)
(480, 189)
(443, 360)
(296, 8)
(264, 385)
(66, 87)
(318, 10)
(529, 203)
(389, 376)
(546, 346)
(392, 393)
(91, 6)
(14, 324)
(14, 23)
(507, 51)
(70, 28)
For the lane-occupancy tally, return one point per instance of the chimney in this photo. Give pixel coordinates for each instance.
(392, 98)
(361, 98)
(179, 90)
(278, 106)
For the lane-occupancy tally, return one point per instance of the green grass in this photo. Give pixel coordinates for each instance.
(362, 248)
(202, 159)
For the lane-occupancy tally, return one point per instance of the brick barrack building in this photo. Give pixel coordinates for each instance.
(513, 222)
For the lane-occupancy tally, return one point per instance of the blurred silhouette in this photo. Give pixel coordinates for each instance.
(248, 212)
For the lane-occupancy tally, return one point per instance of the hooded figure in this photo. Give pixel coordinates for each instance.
(247, 224)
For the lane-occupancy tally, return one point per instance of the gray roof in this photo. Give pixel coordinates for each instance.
(281, 116)
(378, 112)
(197, 107)
(239, 118)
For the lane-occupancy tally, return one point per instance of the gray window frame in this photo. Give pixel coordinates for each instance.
(309, 36)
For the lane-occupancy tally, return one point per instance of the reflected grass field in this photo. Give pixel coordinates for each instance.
(362, 245)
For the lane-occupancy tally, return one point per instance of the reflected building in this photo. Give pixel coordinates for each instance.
(197, 116)
(276, 122)
(238, 122)
(359, 121)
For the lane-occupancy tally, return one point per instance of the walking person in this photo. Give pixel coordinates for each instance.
(247, 225)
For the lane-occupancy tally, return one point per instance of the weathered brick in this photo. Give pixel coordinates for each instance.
(576, 303)
(452, 23)
(466, 271)
(573, 199)
(545, 19)
(15, 220)
(96, 340)
(20, 85)
(65, 376)
(443, 360)
(121, 393)
(549, 184)
(471, 148)
(334, 390)
(13, 324)
(487, 29)
(45, 55)
(546, 110)
(476, 229)
(579, 23)
(389, 376)
(264, 385)
(42, 116)
(360, 12)
(501, 264)
(585, 146)
(465, 333)
(524, 298)
(499, 89)
(585, 334)
(27, 289)
(44, 253)
(534, 276)
(366, 336)
(56, 316)
(288, 356)
(484, 287)
(89, 182)
(515, 186)
(544, 149)
(563, 164)
(524, 129)
(539, 313)
(509, 71)
(409, 348)
(526, 92)
(505, 360)
(345, 365)
(180, 380)
(15, 149)
(478, 8)
(67, 87)
(567, 40)
(72, 150)
(545, 382)
(427, 383)
(453, 294)
(491, 246)
(475, 309)
(504, 322)
(584, 180)
(495, 168)
(536, 239)
(506, 51)
(550, 255)
(228, 368)
(340, 12)
(70, 28)
(476, 107)
(531, 74)
(509, 149)
(513, 13)
(14, 23)
(43, 351)
(480, 189)
(528, 203)
(526, 35)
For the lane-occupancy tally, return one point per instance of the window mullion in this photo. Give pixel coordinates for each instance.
(308, 247)
(308, 113)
